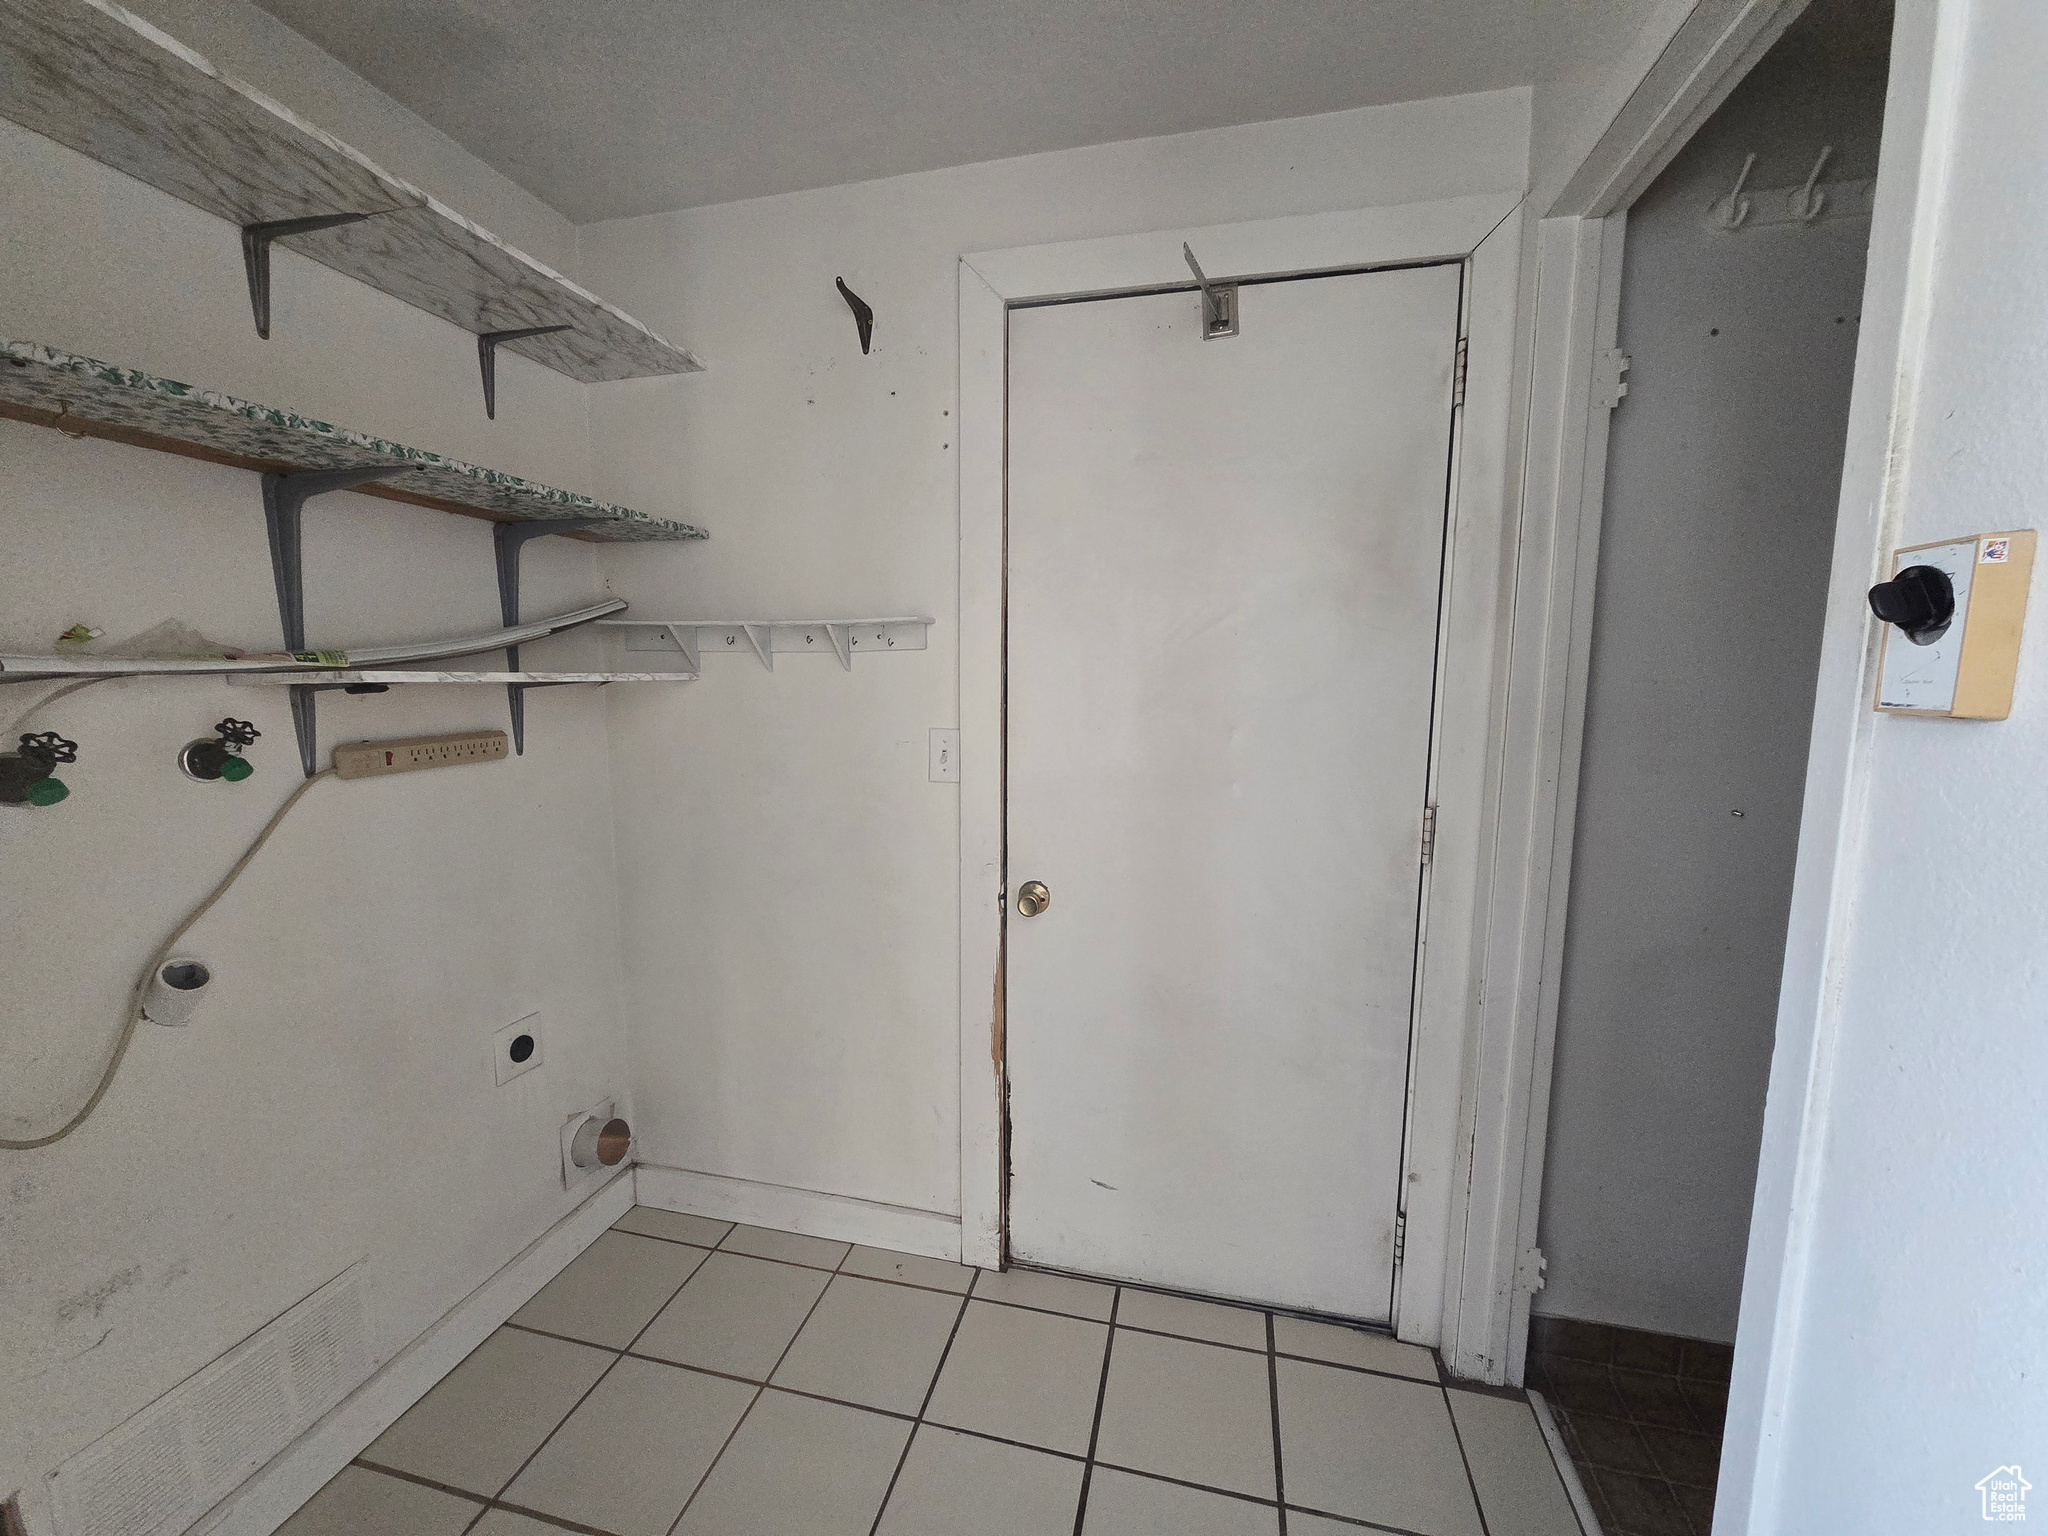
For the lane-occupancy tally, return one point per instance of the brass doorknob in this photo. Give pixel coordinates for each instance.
(1033, 898)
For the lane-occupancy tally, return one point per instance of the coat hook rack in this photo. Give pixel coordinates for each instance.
(1219, 300)
(487, 357)
(1807, 203)
(863, 317)
(1737, 207)
(256, 239)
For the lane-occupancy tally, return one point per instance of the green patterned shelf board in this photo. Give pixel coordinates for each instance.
(81, 394)
(108, 84)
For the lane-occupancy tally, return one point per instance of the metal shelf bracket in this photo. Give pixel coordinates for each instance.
(256, 239)
(487, 357)
(284, 500)
(507, 540)
(1219, 300)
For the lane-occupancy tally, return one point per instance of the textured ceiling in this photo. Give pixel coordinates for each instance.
(638, 106)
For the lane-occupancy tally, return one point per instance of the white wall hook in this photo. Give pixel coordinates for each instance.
(1737, 209)
(1807, 202)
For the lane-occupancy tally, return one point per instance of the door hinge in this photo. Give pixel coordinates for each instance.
(1458, 374)
(1529, 1271)
(1610, 378)
(1428, 833)
(1400, 1235)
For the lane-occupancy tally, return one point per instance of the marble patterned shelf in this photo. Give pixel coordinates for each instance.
(108, 84)
(82, 394)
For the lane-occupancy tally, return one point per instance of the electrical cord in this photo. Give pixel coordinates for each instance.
(51, 698)
(163, 953)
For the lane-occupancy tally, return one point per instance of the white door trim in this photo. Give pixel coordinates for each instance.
(1483, 231)
(1656, 111)
(1657, 97)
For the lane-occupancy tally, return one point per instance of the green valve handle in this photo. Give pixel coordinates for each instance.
(47, 791)
(219, 756)
(25, 777)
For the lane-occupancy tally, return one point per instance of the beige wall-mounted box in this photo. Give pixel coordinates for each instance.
(1966, 671)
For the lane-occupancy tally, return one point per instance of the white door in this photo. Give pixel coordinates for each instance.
(1224, 566)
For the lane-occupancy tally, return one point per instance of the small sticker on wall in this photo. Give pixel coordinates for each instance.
(1995, 552)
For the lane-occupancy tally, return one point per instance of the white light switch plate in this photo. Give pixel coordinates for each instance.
(945, 757)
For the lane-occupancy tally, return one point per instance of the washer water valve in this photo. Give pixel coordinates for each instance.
(25, 773)
(219, 756)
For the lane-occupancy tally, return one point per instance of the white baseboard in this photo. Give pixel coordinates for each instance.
(295, 1474)
(840, 1217)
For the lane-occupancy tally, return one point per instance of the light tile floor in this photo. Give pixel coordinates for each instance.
(686, 1377)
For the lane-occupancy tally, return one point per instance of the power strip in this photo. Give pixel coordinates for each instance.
(367, 759)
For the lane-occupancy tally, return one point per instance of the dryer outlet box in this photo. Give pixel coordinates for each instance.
(518, 1048)
(572, 1176)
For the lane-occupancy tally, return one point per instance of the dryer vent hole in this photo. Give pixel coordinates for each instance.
(521, 1048)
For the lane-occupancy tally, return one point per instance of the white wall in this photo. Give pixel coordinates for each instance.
(1724, 465)
(788, 874)
(1895, 1358)
(333, 1098)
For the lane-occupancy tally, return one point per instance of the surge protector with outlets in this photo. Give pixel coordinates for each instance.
(366, 759)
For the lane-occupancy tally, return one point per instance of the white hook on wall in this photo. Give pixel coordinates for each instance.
(1738, 205)
(1806, 202)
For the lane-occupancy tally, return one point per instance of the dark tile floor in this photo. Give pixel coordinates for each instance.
(1641, 1414)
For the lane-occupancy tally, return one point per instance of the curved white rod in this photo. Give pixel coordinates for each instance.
(23, 668)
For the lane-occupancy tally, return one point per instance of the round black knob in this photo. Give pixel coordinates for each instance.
(1921, 600)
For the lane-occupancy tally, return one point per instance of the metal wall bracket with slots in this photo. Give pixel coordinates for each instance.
(764, 639)
(284, 503)
(256, 241)
(1219, 300)
(507, 540)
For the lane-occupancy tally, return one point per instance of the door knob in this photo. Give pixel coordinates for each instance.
(1033, 898)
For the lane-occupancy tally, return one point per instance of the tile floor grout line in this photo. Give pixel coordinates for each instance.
(550, 1435)
(617, 1355)
(425, 1482)
(1470, 1481)
(1353, 1520)
(1273, 1401)
(748, 1413)
(918, 1423)
(542, 1517)
(1373, 1370)
(738, 1380)
(1021, 1306)
(1101, 1393)
(1628, 1408)
(1180, 1482)
(1295, 1314)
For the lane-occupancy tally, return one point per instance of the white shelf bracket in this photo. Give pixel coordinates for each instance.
(763, 642)
(685, 637)
(842, 642)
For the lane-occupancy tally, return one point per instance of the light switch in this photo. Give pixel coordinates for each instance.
(945, 757)
(1954, 612)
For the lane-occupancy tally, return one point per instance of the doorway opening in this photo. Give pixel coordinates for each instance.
(1740, 289)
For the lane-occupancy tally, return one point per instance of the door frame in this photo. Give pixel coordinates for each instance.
(1483, 232)
(1679, 70)
(1680, 67)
